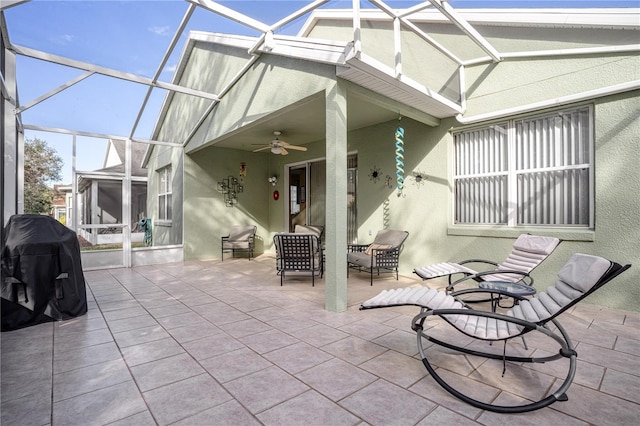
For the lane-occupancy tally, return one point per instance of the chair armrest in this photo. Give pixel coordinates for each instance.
(488, 262)
(382, 252)
(498, 291)
(418, 320)
(526, 278)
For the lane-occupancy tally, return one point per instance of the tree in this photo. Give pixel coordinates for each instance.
(42, 165)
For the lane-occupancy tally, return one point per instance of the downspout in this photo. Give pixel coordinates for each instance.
(563, 100)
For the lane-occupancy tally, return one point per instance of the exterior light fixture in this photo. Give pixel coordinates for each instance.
(273, 180)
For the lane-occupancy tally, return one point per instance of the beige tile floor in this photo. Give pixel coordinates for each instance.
(212, 343)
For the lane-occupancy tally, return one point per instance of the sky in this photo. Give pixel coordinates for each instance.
(133, 36)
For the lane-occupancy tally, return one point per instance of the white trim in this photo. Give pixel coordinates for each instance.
(607, 18)
(96, 135)
(61, 60)
(6, 4)
(563, 100)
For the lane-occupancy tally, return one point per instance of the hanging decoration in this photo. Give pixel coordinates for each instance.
(375, 174)
(243, 170)
(400, 158)
(387, 181)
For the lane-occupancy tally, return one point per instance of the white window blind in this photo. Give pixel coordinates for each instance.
(540, 166)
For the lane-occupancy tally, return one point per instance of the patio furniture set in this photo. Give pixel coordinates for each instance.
(583, 274)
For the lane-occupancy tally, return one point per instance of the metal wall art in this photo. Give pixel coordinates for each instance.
(230, 187)
(375, 174)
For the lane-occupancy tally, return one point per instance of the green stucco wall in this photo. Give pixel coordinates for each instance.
(209, 219)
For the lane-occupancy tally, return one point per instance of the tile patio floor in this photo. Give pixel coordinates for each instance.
(211, 343)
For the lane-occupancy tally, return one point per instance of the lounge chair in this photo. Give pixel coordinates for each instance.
(383, 254)
(240, 238)
(528, 252)
(298, 254)
(580, 276)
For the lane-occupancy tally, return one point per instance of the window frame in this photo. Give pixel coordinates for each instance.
(513, 208)
(165, 194)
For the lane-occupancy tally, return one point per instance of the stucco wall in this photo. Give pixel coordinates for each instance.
(271, 84)
(208, 218)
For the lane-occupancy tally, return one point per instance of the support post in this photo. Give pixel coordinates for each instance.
(336, 198)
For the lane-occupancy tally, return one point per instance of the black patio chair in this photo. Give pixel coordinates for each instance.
(298, 254)
(383, 255)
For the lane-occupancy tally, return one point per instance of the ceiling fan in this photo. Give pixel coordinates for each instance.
(280, 147)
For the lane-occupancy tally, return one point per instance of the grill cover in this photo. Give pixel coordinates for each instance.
(42, 277)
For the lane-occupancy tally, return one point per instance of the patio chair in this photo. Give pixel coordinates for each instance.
(579, 277)
(298, 254)
(241, 238)
(383, 254)
(528, 252)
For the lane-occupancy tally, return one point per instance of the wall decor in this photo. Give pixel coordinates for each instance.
(230, 187)
(375, 174)
(400, 158)
(418, 178)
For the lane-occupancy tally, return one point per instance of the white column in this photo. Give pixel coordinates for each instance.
(126, 206)
(336, 199)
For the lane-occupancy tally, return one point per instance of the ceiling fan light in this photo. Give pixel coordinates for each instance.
(276, 150)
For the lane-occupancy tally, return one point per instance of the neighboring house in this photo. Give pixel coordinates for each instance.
(61, 209)
(100, 194)
(514, 121)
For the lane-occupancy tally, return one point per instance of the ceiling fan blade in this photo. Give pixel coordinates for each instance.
(262, 149)
(283, 151)
(297, 148)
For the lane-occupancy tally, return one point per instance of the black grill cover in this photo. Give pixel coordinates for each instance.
(42, 276)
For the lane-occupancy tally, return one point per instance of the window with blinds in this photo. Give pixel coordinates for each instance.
(532, 171)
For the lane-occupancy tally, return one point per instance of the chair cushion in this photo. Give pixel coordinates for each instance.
(241, 233)
(309, 229)
(374, 246)
(582, 271)
(442, 269)
(536, 244)
(391, 237)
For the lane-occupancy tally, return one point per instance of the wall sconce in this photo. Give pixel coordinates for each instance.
(230, 187)
(273, 180)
